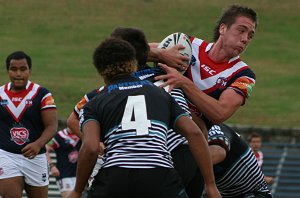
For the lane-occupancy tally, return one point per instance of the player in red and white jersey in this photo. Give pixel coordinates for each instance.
(255, 142)
(28, 121)
(217, 82)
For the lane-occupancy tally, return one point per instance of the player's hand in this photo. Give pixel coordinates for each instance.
(173, 58)
(173, 78)
(31, 150)
(54, 171)
(74, 194)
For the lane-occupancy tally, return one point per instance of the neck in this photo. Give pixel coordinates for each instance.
(218, 53)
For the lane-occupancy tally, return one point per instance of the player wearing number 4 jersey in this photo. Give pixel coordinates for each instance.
(132, 118)
(182, 158)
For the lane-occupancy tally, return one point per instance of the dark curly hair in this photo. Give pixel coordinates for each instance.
(229, 16)
(17, 55)
(114, 56)
(137, 39)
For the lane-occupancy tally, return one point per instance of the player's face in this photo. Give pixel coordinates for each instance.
(255, 143)
(18, 73)
(237, 36)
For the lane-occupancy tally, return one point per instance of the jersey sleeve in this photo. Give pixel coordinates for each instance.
(87, 113)
(47, 101)
(244, 84)
(217, 137)
(176, 112)
(85, 99)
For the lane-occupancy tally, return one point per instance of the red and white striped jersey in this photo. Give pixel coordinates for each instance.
(214, 77)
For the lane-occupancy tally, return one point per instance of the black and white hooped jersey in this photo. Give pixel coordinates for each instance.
(66, 146)
(213, 77)
(239, 173)
(20, 115)
(85, 99)
(148, 73)
(134, 117)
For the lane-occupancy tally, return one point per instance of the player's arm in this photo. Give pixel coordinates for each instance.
(217, 111)
(73, 124)
(170, 56)
(49, 118)
(199, 148)
(88, 155)
(53, 169)
(218, 154)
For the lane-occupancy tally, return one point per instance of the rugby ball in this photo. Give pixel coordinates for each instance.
(176, 39)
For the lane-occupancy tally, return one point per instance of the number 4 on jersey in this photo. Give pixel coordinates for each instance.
(136, 109)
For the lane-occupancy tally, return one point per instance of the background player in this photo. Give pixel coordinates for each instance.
(255, 142)
(236, 170)
(66, 146)
(28, 120)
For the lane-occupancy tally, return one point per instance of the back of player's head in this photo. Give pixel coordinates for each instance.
(137, 39)
(114, 56)
(229, 16)
(17, 55)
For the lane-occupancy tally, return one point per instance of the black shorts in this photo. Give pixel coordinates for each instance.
(115, 182)
(186, 166)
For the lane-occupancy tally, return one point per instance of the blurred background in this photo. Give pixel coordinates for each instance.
(60, 37)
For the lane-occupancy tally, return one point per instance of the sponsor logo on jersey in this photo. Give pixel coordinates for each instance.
(208, 69)
(128, 85)
(28, 102)
(73, 156)
(4, 102)
(49, 100)
(221, 83)
(17, 99)
(19, 135)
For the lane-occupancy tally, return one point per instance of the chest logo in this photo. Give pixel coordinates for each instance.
(19, 135)
(208, 70)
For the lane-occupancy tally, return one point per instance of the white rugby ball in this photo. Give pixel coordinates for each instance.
(175, 39)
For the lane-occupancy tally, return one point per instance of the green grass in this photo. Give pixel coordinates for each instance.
(60, 36)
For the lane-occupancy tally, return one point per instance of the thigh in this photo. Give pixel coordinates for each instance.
(36, 191)
(12, 187)
(35, 171)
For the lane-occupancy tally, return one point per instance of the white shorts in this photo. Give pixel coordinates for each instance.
(35, 171)
(66, 184)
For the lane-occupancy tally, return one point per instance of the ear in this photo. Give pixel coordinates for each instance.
(222, 28)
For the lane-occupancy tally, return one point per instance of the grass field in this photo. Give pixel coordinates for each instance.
(60, 36)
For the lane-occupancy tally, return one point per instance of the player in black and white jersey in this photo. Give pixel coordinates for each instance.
(236, 170)
(182, 158)
(132, 118)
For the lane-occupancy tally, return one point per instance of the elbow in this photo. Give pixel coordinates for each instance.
(90, 149)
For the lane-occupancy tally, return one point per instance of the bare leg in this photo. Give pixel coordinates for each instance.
(12, 187)
(36, 191)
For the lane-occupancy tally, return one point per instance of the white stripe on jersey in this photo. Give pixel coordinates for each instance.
(245, 173)
(126, 149)
(204, 84)
(17, 111)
